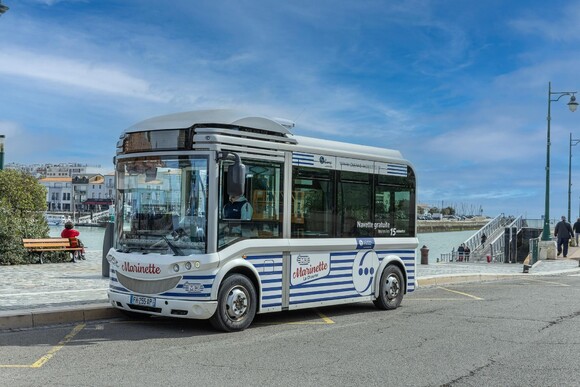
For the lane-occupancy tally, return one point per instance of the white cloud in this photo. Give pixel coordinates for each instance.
(560, 25)
(76, 73)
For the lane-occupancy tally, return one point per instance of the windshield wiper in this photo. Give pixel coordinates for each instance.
(173, 248)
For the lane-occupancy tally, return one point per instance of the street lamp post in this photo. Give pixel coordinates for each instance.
(573, 142)
(1, 151)
(572, 105)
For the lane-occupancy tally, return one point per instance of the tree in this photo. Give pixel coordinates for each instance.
(448, 211)
(22, 206)
(434, 210)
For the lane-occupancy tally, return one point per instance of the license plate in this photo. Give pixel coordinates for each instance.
(145, 301)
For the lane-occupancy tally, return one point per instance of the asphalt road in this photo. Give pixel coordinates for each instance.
(516, 332)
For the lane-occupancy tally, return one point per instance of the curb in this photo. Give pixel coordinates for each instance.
(53, 316)
(462, 278)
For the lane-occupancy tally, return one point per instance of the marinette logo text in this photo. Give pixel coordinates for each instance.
(149, 269)
(309, 267)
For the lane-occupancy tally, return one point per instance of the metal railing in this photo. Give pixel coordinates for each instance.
(95, 218)
(494, 251)
(474, 242)
(498, 246)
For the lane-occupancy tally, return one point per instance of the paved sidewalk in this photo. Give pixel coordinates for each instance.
(34, 295)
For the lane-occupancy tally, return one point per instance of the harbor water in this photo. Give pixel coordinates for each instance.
(437, 242)
(441, 242)
(92, 237)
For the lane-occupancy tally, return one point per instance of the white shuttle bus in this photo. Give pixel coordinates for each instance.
(221, 215)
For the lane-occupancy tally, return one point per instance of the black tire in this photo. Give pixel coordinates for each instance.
(237, 302)
(391, 288)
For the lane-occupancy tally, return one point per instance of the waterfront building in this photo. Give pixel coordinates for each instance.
(72, 187)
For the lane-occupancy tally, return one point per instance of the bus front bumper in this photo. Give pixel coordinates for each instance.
(200, 310)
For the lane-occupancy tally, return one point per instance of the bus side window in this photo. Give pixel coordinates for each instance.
(257, 214)
(312, 203)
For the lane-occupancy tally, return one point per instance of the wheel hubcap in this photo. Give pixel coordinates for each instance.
(237, 304)
(393, 287)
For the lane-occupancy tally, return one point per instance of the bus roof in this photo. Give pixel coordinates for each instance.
(276, 125)
(316, 145)
(216, 117)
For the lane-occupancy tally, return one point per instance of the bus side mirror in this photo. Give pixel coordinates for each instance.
(236, 184)
(236, 179)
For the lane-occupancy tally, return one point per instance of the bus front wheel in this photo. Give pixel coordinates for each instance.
(236, 304)
(390, 288)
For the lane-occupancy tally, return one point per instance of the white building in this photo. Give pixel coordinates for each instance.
(58, 193)
(82, 193)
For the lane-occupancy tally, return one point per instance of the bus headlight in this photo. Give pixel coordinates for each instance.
(187, 265)
(112, 260)
(175, 267)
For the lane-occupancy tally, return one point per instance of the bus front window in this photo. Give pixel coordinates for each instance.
(162, 205)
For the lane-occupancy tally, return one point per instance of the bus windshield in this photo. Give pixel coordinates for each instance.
(162, 205)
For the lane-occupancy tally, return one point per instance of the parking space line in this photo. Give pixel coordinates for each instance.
(547, 282)
(462, 293)
(325, 321)
(325, 318)
(40, 362)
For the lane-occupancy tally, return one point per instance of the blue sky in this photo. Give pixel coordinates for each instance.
(459, 86)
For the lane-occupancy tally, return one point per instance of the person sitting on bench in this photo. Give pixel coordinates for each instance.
(70, 232)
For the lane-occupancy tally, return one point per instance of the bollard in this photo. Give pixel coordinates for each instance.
(424, 255)
(489, 259)
(107, 244)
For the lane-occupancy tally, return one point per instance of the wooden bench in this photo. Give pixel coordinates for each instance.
(41, 246)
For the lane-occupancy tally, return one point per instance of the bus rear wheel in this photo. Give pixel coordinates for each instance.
(390, 288)
(236, 304)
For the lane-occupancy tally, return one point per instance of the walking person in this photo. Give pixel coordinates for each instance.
(483, 238)
(576, 229)
(564, 232)
(461, 252)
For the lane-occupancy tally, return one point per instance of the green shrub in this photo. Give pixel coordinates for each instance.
(22, 206)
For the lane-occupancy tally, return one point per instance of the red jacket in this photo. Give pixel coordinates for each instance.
(69, 233)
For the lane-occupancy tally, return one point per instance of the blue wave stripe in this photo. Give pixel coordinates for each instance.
(269, 256)
(341, 268)
(302, 294)
(271, 281)
(335, 262)
(273, 289)
(185, 295)
(266, 265)
(199, 277)
(274, 297)
(271, 273)
(342, 254)
(311, 285)
(339, 276)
